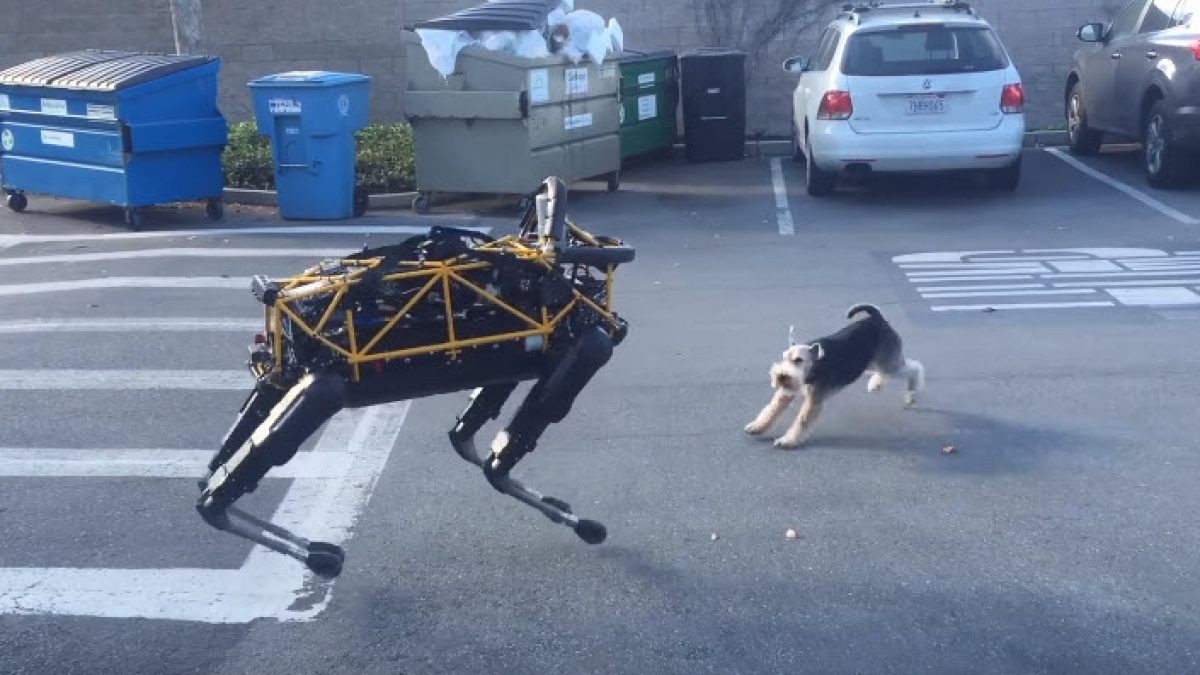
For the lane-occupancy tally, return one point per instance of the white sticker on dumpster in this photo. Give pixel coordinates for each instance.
(579, 121)
(577, 81)
(284, 106)
(4, 104)
(647, 78)
(539, 86)
(60, 138)
(647, 107)
(101, 112)
(54, 106)
(6, 140)
(608, 72)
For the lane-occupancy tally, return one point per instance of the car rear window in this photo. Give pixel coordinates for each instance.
(928, 49)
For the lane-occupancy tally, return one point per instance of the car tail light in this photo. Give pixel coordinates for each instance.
(835, 105)
(1012, 99)
(1196, 49)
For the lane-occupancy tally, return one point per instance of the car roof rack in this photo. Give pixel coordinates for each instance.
(855, 12)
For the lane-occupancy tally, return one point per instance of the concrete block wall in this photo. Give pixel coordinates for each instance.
(267, 36)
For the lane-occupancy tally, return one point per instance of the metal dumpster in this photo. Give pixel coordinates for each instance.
(500, 124)
(131, 129)
(650, 102)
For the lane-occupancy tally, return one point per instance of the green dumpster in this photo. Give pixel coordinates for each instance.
(650, 99)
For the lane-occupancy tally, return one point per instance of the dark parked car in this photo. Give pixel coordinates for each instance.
(1139, 79)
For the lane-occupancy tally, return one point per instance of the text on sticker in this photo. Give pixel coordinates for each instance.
(647, 107)
(283, 106)
(646, 78)
(60, 138)
(4, 104)
(101, 112)
(53, 106)
(577, 81)
(578, 121)
(539, 86)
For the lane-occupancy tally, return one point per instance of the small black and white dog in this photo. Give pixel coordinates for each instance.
(820, 369)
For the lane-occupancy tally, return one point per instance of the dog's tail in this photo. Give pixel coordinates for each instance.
(870, 310)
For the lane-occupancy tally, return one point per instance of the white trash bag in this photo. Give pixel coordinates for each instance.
(443, 46)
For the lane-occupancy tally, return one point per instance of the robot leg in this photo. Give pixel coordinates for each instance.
(549, 402)
(486, 404)
(274, 442)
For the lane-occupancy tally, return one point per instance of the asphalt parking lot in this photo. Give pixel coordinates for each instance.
(1057, 325)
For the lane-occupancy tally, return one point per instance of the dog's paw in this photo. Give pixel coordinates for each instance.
(756, 428)
(786, 443)
(910, 399)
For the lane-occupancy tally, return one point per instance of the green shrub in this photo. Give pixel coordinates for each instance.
(384, 158)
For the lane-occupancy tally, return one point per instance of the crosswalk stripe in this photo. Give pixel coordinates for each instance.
(149, 463)
(108, 380)
(206, 283)
(316, 254)
(130, 325)
(17, 239)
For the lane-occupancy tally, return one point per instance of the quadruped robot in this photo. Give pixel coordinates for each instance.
(449, 311)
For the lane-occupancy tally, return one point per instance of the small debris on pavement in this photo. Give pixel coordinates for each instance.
(714, 536)
(989, 310)
(792, 534)
(949, 450)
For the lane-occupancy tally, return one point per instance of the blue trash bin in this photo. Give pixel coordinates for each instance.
(311, 118)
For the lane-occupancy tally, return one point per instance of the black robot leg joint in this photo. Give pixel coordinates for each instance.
(273, 441)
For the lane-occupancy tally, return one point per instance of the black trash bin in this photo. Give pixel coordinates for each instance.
(713, 84)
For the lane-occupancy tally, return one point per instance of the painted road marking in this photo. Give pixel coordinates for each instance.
(783, 212)
(1129, 190)
(1122, 277)
(130, 325)
(316, 254)
(107, 380)
(18, 239)
(268, 585)
(148, 463)
(205, 283)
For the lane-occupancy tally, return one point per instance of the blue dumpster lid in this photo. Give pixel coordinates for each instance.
(518, 15)
(310, 78)
(99, 70)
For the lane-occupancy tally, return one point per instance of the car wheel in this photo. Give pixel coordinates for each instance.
(817, 182)
(1161, 157)
(797, 151)
(1006, 179)
(1083, 140)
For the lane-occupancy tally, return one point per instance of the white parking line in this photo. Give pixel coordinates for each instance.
(206, 283)
(316, 254)
(1131, 191)
(130, 325)
(978, 294)
(267, 586)
(17, 239)
(149, 463)
(783, 212)
(1039, 305)
(108, 380)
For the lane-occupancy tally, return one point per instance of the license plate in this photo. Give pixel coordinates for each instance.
(926, 105)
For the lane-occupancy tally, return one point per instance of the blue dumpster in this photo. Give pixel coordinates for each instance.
(311, 118)
(131, 129)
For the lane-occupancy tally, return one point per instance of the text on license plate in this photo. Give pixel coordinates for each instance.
(926, 105)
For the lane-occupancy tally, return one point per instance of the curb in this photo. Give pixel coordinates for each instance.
(395, 200)
(771, 148)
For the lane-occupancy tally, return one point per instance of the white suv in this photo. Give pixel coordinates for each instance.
(907, 87)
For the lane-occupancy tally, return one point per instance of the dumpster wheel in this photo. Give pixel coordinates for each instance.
(614, 181)
(421, 204)
(134, 219)
(17, 201)
(214, 209)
